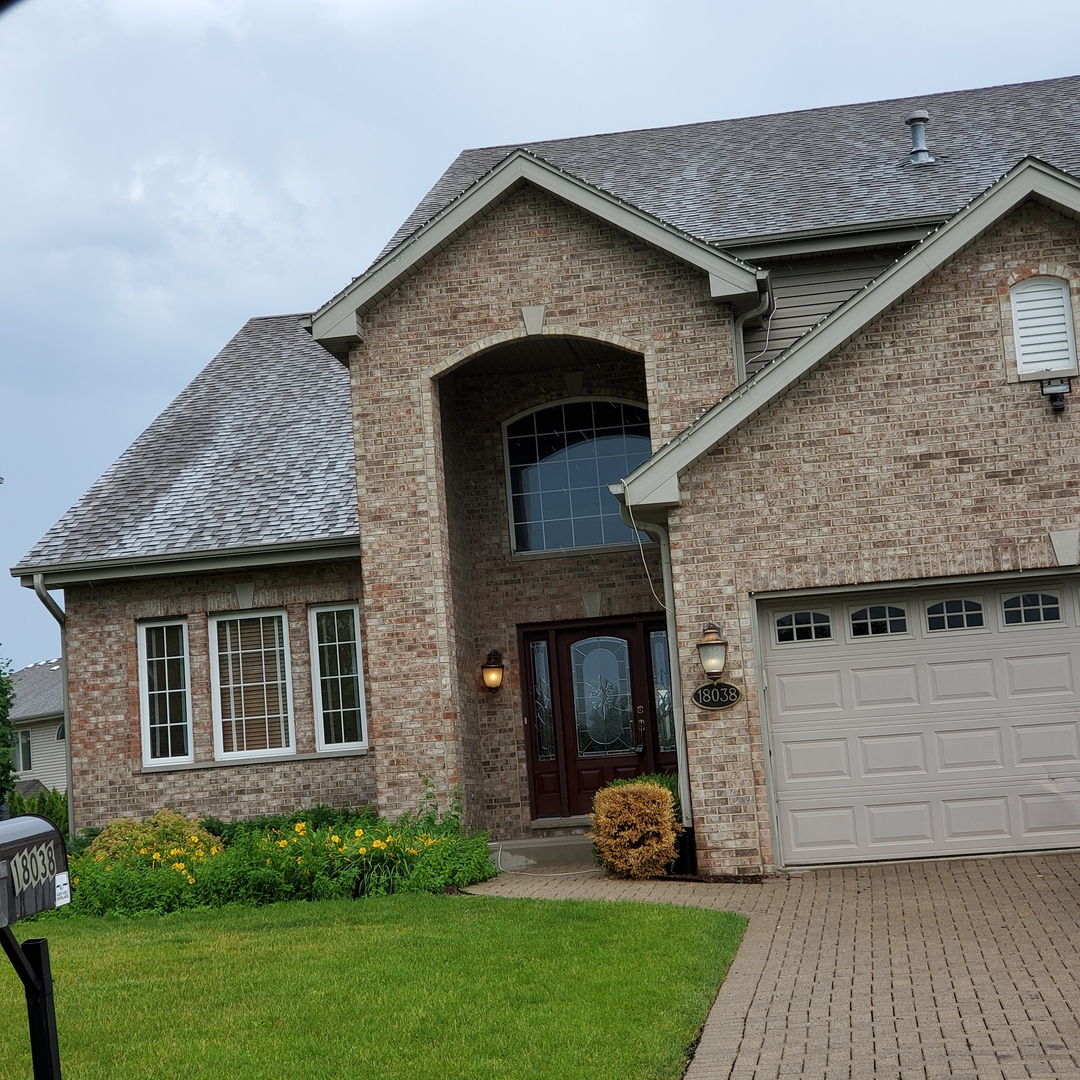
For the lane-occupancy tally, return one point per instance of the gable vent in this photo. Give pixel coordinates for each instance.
(1042, 325)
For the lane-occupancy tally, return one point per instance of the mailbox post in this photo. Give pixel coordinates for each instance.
(33, 878)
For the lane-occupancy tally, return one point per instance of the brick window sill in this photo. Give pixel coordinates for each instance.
(276, 759)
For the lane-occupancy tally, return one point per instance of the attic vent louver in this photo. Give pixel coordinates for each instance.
(916, 120)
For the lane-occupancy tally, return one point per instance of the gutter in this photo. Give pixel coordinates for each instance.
(57, 612)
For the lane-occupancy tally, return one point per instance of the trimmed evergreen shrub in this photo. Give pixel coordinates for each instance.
(634, 829)
(47, 804)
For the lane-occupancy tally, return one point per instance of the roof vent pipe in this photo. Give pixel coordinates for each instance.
(917, 120)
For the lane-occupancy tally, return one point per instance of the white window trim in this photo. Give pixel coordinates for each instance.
(776, 614)
(1042, 589)
(215, 688)
(18, 760)
(316, 679)
(144, 693)
(877, 639)
(930, 601)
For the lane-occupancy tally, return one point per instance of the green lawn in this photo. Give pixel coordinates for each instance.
(408, 986)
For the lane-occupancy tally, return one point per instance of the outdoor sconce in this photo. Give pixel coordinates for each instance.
(1055, 390)
(712, 651)
(492, 670)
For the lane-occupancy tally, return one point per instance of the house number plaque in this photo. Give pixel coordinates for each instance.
(717, 695)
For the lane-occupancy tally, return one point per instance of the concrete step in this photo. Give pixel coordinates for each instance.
(572, 851)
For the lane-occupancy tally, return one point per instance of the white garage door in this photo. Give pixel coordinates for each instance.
(940, 723)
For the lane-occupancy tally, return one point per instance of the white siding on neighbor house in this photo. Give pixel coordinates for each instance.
(48, 755)
(805, 290)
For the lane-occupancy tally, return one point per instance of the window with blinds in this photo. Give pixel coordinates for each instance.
(1043, 328)
(251, 683)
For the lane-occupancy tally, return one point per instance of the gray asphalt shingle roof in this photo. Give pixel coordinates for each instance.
(39, 690)
(256, 450)
(838, 167)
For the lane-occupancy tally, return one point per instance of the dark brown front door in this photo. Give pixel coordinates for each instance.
(597, 708)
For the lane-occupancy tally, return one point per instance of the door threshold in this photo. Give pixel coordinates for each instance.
(577, 822)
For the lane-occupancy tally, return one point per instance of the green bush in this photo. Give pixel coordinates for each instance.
(169, 862)
(47, 804)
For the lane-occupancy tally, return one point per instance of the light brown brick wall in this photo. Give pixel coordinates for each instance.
(908, 455)
(441, 588)
(109, 778)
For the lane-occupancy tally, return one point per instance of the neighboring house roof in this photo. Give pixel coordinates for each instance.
(336, 321)
(39, 691)
(656, 481)
(256, 453)
(733, 181)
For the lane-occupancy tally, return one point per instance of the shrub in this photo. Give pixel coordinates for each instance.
(634, 829)
(665, 780)
(47, 804)
(170, 862)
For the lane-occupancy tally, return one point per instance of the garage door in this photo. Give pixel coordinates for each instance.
(940, 723)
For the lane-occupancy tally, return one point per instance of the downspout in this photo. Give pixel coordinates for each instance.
(57, 612)
(660, 535)
(764, 306)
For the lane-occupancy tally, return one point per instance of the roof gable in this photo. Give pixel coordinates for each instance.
(656, 482)
(338, 320)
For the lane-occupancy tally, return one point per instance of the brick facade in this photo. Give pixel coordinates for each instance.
(103, 684)
(909, 455)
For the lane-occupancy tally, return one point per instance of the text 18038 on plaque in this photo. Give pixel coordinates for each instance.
(717, 695)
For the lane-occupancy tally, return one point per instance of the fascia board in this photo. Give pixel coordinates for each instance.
(651, 482)
(57, 575)
(729, 277)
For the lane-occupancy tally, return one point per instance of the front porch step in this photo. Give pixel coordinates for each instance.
(563, 851)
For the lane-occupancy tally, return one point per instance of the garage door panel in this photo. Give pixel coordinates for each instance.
(802, 692)
(926, 744)
(962, 680)
(877, 686)
(1028, 676)
(816, 759)
(1038, 744)
(975, 748)
(980, 818)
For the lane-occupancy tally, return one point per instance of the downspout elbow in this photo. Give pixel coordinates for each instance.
(765, 306)
(55, 610)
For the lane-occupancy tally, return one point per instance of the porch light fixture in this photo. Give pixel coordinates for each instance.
(492, 670)
(712, 651)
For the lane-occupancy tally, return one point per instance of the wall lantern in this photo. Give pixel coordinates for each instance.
(712, 651)
(492, 670)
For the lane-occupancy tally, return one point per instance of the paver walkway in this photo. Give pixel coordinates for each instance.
(966, 969)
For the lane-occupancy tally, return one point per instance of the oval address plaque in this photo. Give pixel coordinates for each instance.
(717, 695)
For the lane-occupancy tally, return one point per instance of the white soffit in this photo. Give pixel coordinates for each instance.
(729, 278)
(655, 482)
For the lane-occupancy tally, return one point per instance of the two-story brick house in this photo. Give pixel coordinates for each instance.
(802, 375)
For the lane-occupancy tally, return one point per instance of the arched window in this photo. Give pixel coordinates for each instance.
(562, 459)
(1043, 328)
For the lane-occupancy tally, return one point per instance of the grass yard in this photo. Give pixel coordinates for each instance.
(406, 986)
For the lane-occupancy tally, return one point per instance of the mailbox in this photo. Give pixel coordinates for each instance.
(33, 878)
(33, 868)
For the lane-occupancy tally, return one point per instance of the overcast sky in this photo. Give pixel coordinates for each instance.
(173, 167)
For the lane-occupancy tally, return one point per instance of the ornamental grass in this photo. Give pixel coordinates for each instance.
(169, 862)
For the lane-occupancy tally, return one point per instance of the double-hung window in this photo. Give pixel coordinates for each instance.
(337, 678)
(24, 761)
(249, 673)
(163, 692)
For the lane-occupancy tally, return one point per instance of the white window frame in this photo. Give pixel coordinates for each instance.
(1030, 369)
(1042, 624)
(987, 613)
(220, 753)
(23, 735)
(877, 639)
(144, 693)
(316, 678)
(820, 609)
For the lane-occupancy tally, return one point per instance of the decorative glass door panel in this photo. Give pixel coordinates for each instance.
(597, 708)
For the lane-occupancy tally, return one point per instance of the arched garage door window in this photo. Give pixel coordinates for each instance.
(561, 459)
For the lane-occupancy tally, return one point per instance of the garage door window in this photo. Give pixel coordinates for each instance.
(955, 615)
(1032, 608)
(878, 619)
(803, 626)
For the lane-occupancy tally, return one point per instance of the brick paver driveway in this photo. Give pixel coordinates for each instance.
(964, 969)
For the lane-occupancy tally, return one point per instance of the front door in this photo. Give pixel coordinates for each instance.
(597, 708)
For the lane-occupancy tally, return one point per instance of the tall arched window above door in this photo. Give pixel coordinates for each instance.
(561, 459)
